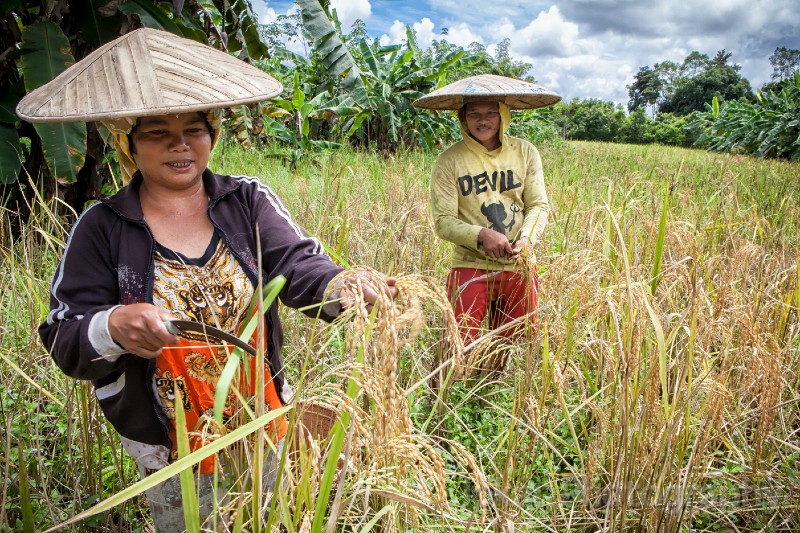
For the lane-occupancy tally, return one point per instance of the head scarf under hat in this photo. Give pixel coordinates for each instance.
(116, 133)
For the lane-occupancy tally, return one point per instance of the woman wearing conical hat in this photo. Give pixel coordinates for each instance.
(487, 197)
(177, 242)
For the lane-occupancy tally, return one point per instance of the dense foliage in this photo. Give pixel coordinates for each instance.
(768, 127)
(682, 88)
(705, 102)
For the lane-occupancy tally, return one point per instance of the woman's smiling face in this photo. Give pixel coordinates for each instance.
(172, 150)
(483, 123)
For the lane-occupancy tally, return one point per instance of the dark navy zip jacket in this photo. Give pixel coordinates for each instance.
(108, 261)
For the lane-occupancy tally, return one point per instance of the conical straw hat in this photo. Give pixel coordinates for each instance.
(147, 72)
(516, 94)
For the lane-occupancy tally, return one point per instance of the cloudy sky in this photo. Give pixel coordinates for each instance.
(586, 48)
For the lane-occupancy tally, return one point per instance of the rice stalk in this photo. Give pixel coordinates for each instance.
(390, 451)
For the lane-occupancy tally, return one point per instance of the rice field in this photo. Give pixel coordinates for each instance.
(660, 394)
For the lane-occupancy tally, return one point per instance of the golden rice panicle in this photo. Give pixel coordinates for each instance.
(416, 469)
(765, 385)
(487, 356)
(411, 315)
(414, 292)
(361, 433)
(391, 450)
(526, 260)
(462, 455)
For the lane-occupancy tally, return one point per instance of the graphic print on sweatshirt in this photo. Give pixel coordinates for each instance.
(500, 212)
(496, 214)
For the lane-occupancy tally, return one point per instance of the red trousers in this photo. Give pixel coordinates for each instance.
(500, 296)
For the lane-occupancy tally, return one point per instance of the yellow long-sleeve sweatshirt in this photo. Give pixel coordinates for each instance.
(472, 188)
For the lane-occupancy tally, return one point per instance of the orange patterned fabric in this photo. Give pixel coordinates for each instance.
(194, 367)
(212, 290)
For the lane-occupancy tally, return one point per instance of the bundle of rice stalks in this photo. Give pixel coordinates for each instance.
(486, 357)
(384, 464)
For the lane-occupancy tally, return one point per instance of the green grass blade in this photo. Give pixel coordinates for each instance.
(369, 525)
(224, 383)
(175, 468)
(271, 291)
(662, 231)
(30, 380)
(24, 491)
(228, 374)
(661, 346)
(191, 506)
(337, 442)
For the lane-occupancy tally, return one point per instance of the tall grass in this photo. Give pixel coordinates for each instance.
(661, 393)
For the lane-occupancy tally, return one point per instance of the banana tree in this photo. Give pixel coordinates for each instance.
(382, 81)
(331, 51)
(46, 56)
(395, 76)
(290, 121)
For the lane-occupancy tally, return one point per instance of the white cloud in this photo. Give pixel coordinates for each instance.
(350, 10)
(423, 29)
(424, 32)
(460, 34)
(563, 60)
(583, 76)
(548, 35)
(265, 13)
(396, 35)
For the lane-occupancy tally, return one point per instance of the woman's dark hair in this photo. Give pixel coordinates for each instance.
(462, 111)
(132, 147)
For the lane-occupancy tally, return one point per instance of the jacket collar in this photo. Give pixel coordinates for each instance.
(126, 201)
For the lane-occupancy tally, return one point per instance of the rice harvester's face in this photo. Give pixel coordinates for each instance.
(483, 123)
(172, 151)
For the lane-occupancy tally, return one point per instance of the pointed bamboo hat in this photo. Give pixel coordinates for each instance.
(516, 94)
(147, 72)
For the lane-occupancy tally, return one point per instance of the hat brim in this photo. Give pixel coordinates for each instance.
(516, 94)
(147, 72)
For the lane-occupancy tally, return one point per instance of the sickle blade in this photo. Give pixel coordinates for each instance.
(177, 327)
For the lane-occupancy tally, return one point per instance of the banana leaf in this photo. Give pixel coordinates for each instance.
(45, 54)
(10, 154)
(7, 5)
(96, 28)
(8, 103)
(188, 24)
(239, 16)
(333, 53)
(369, 58)
(151, 16)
